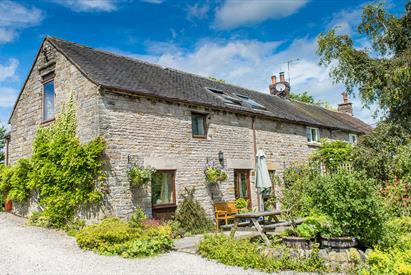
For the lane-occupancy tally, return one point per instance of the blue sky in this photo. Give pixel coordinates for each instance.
(241, 41)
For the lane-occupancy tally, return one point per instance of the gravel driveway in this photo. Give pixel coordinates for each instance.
(32, 250)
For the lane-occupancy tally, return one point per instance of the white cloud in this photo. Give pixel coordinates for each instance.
(89, 5)
(14, 16)
(7, 96)
(345, 20)
(8, 71)
(198, 11)
(234, 13)
(153, 1)
(7, 35)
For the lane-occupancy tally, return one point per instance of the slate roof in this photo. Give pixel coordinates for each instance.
(135, 76)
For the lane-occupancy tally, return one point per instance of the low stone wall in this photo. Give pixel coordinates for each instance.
(336, 260)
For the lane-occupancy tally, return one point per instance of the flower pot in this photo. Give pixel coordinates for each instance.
(8, 206)
(297, 242)
(338, 242)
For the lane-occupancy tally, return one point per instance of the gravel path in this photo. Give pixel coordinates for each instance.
(32, 250)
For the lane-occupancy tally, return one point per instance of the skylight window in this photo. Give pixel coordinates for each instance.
(226, 98)
(251, 102)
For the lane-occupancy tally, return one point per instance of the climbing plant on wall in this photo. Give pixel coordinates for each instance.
(64, 173)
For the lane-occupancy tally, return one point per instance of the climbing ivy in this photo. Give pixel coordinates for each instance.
(63, 173)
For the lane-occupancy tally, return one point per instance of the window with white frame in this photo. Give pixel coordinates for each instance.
(352, 138)
(313, 135)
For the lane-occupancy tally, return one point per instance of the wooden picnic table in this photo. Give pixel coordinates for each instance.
(254, 217)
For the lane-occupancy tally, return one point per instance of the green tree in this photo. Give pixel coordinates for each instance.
(381, 73)
(303, 97)
(2, 134)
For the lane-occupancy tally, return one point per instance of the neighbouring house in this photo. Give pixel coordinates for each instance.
(171, 120)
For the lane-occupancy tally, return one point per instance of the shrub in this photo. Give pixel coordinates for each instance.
(191, 215)
(310, 228)
(115, 237)
(137, 218)
(241, 203)
(18, 179)
(375, 152)
(394, 261)
(333, 153)
(140, 176)
(296, 196)
(353, 204)
(248, 255)
(397, 233)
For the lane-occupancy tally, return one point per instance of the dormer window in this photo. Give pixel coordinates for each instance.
(313, 135)
(48, 97)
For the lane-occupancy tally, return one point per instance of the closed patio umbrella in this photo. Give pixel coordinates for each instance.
(263, 180)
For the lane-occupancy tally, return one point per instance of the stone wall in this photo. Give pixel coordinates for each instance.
(154, 132)
(28, 113)
(158, 133)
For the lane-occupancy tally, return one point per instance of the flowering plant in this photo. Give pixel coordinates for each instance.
(140, 176)
(215, 173)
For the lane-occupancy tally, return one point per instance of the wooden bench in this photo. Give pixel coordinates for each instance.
(225, 211)
(273, 226)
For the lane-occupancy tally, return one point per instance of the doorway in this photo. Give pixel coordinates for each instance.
(242, 185)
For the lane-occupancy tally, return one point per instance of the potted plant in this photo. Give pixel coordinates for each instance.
(305, 235)
(215, 173)
(140, 176)
(241, 205)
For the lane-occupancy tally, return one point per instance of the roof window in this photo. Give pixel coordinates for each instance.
(226, 98)
(251, 102)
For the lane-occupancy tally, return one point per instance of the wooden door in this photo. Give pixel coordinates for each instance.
(242, 185)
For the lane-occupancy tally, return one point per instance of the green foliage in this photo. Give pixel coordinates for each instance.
(140, 176)
(310, 228)
(333, 153)
(248, 255)
(18, 177)
(191, 215)
(296, 195)
(397, 234)
(2, 140)
(137, 218)
(353, 204)
(65, 172)
(216, 79)
(303, 97)
(376, 152)
(394, 261)
(307, 98)
(116, 237)
(215, 173)
(62, 172)
(382, 75)
(241, 203)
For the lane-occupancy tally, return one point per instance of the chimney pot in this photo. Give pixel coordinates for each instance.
(282, 77)
(273, 79)
(345, 97)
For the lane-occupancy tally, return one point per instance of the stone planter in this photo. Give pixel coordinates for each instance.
(297, 242)
(338, 242)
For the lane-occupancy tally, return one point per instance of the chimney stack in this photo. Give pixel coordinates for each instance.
(273, 79)
(346, 106)
(282, 77)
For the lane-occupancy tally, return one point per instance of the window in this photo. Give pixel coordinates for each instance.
(226, 98)
(313, 134)
(352, 138)
(48, 100)
(198, 125)
(251, 102)
(163, 188)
